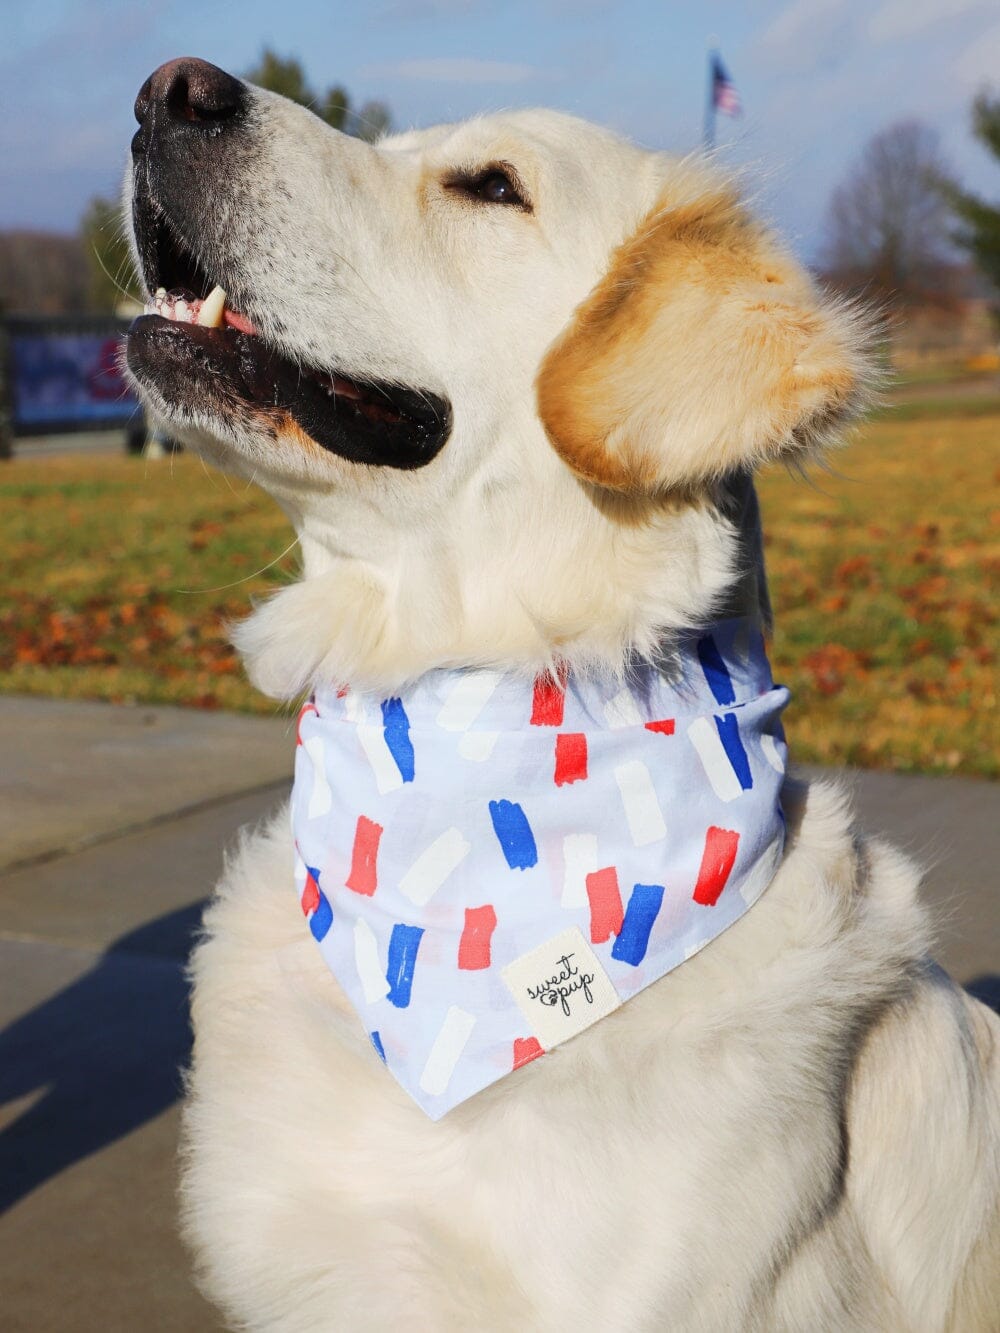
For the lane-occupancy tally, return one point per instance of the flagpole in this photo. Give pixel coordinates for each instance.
(709, 133)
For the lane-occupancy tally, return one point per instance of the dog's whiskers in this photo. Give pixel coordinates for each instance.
(224, 587)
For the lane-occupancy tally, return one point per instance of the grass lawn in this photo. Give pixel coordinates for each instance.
(884, 576)
(925, 408)
(121, 573)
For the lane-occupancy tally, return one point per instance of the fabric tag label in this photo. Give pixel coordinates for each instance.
(560, 987)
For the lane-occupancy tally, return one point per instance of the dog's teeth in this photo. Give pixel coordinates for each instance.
(182, 312)
(160, 293)
(210, 314)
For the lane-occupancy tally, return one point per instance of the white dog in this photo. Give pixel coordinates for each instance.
(509, 380)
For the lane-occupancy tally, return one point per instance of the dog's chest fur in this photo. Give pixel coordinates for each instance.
(650, 1169)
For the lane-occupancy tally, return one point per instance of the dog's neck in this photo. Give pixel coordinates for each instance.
(490, 864)
(512, 582)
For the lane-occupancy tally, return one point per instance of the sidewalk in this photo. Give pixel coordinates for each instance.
(112, 826)
(76, 442)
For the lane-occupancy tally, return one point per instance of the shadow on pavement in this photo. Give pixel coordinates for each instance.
(106, 1051)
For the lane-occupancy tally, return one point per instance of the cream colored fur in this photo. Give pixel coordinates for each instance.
(797, 1130)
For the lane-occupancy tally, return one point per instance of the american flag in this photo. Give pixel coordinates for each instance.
(725, 98)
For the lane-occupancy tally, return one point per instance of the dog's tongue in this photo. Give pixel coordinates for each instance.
(211, 313)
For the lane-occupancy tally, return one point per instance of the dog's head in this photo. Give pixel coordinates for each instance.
(506, 377)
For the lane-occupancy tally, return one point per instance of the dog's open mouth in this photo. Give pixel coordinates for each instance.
(203, 356)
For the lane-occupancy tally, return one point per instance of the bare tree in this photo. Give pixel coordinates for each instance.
(887, 224)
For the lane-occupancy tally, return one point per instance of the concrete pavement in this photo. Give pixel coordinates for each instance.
(87, 771)
(112, 826)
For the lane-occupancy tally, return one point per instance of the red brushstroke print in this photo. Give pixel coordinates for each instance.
(310, 896)
(526, 1049)
(665, 726)
(605, 904)
(309, 707)
(571, 757)
(474, 946)
(716, 864)
(548, 700)
(364, 870)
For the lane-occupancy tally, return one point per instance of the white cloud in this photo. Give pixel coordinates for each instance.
(799, 23)
(979, 64)
(895, 20)
(806, 38)
(462, 69)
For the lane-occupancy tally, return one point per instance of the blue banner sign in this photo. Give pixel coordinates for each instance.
(67, 378)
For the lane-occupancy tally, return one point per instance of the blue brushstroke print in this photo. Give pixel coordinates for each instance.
(729, 733)
(517, 842)
(716, 672)
(633, 938)
(403, 945)
(322, 917)
(396, 728)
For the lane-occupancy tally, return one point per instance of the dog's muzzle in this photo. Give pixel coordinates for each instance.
(198, 345)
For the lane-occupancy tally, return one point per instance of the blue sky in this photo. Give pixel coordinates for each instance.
(816, 78)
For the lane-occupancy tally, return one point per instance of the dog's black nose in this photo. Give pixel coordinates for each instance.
(191, 91)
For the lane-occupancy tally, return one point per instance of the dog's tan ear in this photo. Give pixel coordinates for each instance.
(704, 348)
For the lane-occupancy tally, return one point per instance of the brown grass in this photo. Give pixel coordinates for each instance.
(884, 579)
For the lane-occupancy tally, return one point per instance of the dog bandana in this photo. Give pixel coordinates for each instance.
(489, 867)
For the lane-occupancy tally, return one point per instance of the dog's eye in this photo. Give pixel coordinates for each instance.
(493, 185)
(497, 188)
